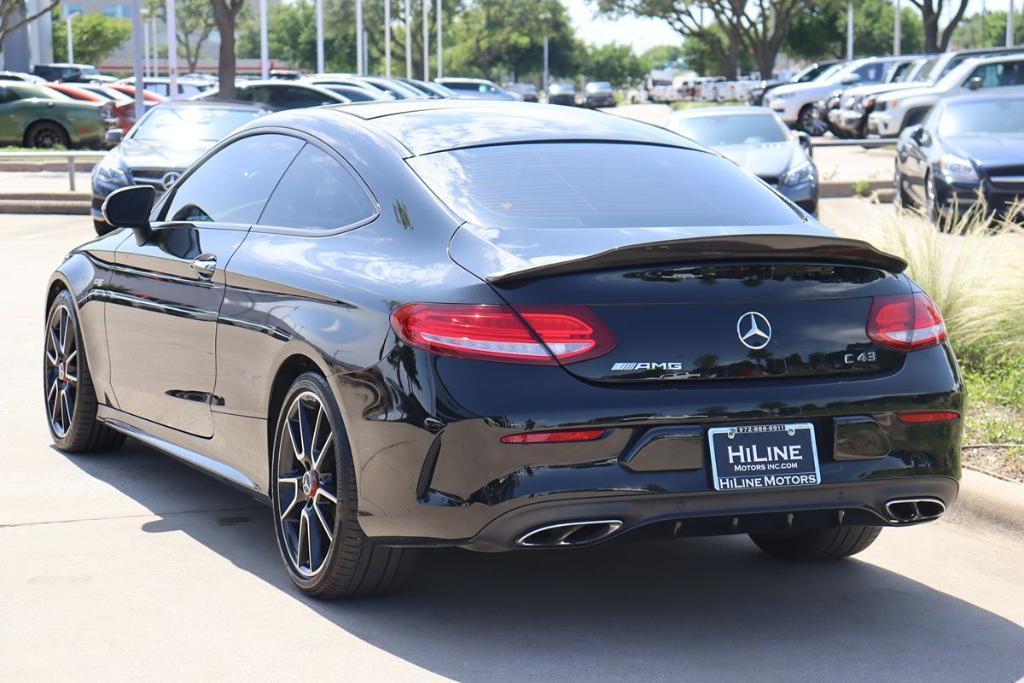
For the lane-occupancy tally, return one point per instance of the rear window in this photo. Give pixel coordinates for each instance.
(598, 185)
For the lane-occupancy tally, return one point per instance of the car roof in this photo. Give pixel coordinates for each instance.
(218, 104)
(993, 59)
(456, 79)
(717, 111)
(429, 126)
(1010, 93)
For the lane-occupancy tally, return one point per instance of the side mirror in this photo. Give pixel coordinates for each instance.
(919, 135)
(974, 83)
(114, 136)
(805, 142)
(130, 207)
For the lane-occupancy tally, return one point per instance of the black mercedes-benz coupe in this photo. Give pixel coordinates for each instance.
(503, 326)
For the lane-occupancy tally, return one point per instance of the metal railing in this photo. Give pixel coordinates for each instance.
(69, 155)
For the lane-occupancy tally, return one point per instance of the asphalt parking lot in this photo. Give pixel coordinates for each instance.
(131, 566)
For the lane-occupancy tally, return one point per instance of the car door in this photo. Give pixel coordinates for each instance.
(168, 290)
(10, 131)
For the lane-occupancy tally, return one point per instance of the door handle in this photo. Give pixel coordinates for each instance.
(204, 265)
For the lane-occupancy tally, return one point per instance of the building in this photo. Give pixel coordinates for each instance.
(31, 44)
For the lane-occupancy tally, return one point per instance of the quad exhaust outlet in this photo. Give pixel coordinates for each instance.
(570, 533)
(906, 510)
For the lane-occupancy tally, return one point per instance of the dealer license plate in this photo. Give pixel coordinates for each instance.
(764, 456)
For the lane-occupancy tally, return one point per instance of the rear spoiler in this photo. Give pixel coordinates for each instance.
(729, 248)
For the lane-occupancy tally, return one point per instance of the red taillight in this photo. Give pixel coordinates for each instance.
(575, 435)
(906, 322)
(485, 332)
(926, 417)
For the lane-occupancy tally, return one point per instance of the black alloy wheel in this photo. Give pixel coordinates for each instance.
(69, 396)
(314, 494)
(810, 121)
(47, 135)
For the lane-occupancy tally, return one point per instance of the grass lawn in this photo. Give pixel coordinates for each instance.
(994, 425)
(700, 104)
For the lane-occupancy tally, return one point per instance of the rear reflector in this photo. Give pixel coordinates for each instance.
(926, 417)
(555, 437)
(905, 322)
(533, 335)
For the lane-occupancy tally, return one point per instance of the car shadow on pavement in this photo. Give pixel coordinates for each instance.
(672, 609)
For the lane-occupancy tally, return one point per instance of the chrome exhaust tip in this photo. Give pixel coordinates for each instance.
(569, 533)
(907, 510)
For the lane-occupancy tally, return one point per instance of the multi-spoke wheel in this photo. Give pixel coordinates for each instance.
(314, 492)
(307, 483)
(67, 386)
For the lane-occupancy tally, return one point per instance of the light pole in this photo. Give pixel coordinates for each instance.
(440, 42)
(544, 84)
(319, 36)
(849, 30)
(896, 31)
(154, 45)
(264, 47)
(426, 40)
(172, 51)
(140, 105)
(359, 38)
(408, 38)
(71, 41)
(387, 38)
(146, 65)
(1009, 26)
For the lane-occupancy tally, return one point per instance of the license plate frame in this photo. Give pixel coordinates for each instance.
(758, 470)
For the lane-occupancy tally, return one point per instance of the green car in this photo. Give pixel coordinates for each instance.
(35, 116)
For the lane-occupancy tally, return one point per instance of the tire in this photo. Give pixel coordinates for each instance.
(900, 197)
(68, 393)
(47, 135)
(817, 544)
(311, 465)
(102, 227)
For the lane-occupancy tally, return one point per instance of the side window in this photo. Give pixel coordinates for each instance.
(232, 186)
(255, 94)
(870, 73)
(296, 98)
(7, 95)
(317, 193)
(158, 88)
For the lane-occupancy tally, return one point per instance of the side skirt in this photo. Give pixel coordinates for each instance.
(183, 447)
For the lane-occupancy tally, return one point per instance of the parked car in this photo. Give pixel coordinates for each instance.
(35, 116)
(434, 91)
(399, 90)
(109, 110)
(897, 110)
(809, 73)
(19, 76)
(527, 91)
(598, 94)
(149, 99)
(476, 89)
(850, 118)
(187, 87)
(165, 142)
(356, 93)
(279, 95)
(562, 93)
(503, 328)
(349, 81)
(831, 105)
(966, 147)
(796, 103)
(70, 73)
(757, 140)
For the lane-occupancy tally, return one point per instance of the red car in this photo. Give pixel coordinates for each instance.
(116, 114)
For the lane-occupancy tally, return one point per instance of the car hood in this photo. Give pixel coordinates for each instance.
(762, 160)
(508, 255)
(153, 154)
(879, 88)
(812, 89)
(989, 150)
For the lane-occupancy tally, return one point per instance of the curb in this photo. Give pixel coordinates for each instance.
(836, 190)
(69, 204)
(991, 501)
(34, 166)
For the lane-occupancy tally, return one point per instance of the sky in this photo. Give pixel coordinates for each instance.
(645, 33)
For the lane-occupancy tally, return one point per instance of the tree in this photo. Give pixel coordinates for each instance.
(195, 22)
(661, 56)
(13, 17)
(616, 63)
(225, 14)
(820, 32)
(95, 36)
(936, 39)
(754, 26)
(988, 30)
(704, 57)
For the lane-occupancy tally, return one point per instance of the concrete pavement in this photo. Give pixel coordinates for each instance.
(129, 565)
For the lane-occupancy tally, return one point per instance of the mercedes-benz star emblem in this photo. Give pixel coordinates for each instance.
(169, 179)
(754, 330)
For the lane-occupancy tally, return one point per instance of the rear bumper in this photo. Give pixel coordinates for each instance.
(432, 469)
